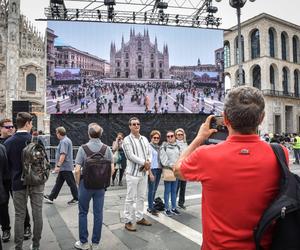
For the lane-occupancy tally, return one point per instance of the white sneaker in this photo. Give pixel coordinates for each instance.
(95, 246)
(79, 245)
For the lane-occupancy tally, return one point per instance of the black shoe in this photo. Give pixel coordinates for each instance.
(6, 236)
(48, 199)
(182, 206)
(113, 183)
(175, 211)
(73, 201)
(120, 183)
(27, 233)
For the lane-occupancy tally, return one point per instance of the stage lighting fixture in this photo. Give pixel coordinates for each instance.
(145, 17)
(52, 12)
(109, 2)
(57, 11)
(177, 19)
(61, 2)
(133, 16)
(162, 5)
(161, 15)
(99, 14)
(212, 9)
(77, 13)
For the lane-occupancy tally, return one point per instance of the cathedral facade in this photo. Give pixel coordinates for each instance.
(139, 59)
(22, 63)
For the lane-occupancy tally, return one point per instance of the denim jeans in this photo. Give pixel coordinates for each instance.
(36, 200)
(85, 195)
(152, 186)
(170, 187)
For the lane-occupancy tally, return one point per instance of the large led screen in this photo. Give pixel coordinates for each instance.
(114, 68)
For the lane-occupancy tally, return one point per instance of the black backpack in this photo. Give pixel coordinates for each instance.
(97, 170)
(36, 167)
(284, 210)
(159, 204)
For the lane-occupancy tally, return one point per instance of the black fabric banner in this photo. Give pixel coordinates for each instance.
(77, 125)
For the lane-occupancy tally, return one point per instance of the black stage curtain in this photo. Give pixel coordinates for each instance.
(76, 125)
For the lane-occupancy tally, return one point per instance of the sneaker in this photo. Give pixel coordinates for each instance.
(48, 199)
(182, 206)
(6, 236)
(95, 246)
(34, 248)
(27, 233)
(79, 245)
(175, 211)
(72, 202)
(168, 213)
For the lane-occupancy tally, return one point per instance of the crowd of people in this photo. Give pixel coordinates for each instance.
(150, 95)
(239, 176)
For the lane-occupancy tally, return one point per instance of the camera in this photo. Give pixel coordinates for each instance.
(217, 122)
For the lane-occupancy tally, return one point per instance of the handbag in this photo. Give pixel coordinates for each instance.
(117, 157)
(168, 174)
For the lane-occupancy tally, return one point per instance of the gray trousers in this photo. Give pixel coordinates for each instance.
(20, 201)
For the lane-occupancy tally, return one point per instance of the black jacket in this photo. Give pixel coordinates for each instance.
(3, 167)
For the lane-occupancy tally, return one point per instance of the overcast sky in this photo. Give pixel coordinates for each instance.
(287, 10)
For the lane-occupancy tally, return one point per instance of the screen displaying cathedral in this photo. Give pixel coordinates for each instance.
(139, 58)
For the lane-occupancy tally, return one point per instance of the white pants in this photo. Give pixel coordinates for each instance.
(136, 189)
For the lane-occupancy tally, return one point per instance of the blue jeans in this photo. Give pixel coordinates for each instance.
(85, 195)
(170, 187)
(152, 186)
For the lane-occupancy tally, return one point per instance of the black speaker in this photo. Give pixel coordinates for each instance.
(20, 106)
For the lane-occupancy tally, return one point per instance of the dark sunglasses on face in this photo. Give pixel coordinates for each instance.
(8, 127)
(170, 136)
(179, 134)
(135, 124)
(156, 138)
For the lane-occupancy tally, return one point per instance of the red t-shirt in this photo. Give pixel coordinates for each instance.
(240, 178)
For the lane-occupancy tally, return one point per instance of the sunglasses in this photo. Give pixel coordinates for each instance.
(156, 138)
(179, 134)
(8, 127)
(170, 136)
(135, 124)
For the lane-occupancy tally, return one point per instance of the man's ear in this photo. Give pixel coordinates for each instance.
(226, 121)
(262, 116)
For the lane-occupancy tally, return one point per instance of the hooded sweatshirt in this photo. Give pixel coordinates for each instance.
(169, 154)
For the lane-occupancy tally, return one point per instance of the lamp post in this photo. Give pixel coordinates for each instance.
(238, 4)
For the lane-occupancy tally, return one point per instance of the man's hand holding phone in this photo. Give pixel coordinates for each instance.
(205, 130)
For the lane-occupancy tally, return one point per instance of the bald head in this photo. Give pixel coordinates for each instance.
(95, 131)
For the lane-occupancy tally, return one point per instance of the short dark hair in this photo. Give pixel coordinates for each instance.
(5, 120)
(95, 130)
(244, 108)
(22, 118)
(133, 119)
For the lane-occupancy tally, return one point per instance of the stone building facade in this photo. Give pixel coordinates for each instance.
(50, 54)
(139, 58)
(271, 62)
(22, 62)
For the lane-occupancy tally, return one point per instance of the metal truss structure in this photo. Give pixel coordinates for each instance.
(182, 13)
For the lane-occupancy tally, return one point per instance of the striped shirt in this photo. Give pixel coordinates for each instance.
(137, 151)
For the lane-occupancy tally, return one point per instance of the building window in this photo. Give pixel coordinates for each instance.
(118, 64)
(285, 80)
(227, 54)
(256, 76)
(237, 50)
(272, 78)
(139, 58)
(296, 83)
(152, 75)
(255, 44)
(126, 74)
(271, 43)
(160, 75)
(31, 82)
(139, 45)
(152, 56)
(127, 56)
(152, 65)
(283, 46)
(118, 74)
(127, 64)
(160, 65)
(296, 50)
(237, 80)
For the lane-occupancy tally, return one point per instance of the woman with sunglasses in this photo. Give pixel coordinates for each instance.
(155, 171)
(169, 154)
(181, 185)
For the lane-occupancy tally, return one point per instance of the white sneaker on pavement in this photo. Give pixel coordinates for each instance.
(84, 246)
(95, 246)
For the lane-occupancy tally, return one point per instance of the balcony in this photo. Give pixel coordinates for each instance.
(30, 94)
(277, 93)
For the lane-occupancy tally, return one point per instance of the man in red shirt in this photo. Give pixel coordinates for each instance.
(240, 176)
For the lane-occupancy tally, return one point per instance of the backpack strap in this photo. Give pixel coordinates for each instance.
(282, 162)
(103, 150)
(87, 150)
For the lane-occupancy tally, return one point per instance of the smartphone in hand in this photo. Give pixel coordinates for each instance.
(217, 122)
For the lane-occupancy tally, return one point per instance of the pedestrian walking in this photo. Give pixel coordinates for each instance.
(64, 167)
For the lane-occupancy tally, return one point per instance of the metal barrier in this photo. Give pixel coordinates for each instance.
(51, 151)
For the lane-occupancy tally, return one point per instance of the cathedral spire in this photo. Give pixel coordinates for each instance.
(198, 63)
(122, 40)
